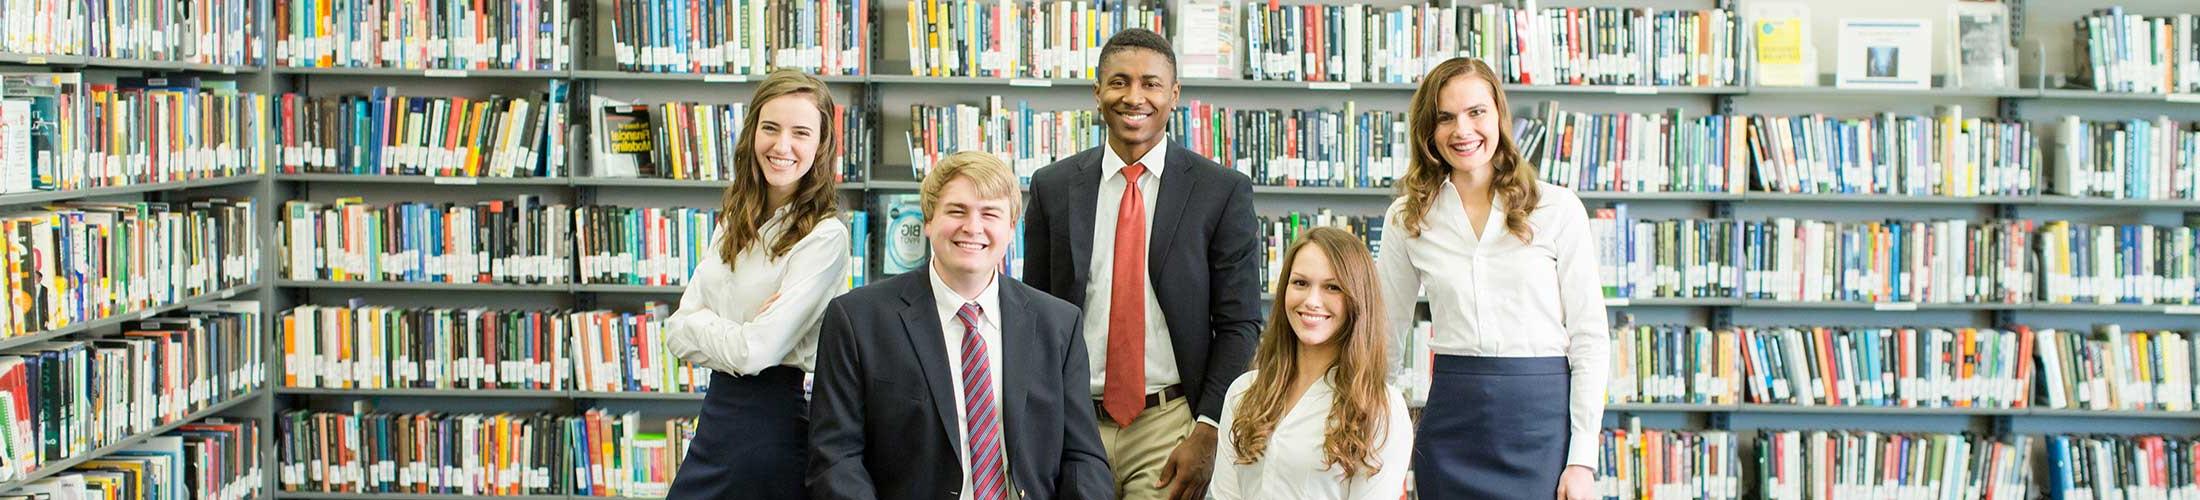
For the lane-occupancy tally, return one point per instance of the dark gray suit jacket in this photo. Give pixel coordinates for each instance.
(1203, 259)
(882, 411)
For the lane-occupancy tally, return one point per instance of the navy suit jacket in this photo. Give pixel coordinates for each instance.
(1203, 258)
(882, 409)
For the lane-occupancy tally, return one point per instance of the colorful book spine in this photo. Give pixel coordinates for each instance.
(216, 458)
(1279, 232)
(698, 141)
(1552, 46)
(595, 453)
(1675, 364)
(2156, 159)
(2084, 263)
(1887, 367)
(77, 262)
(2118, 51)
(1346, 146)
(59, 133)
(742, 37)
(2110, 466)
(220, 32)
(1024, 137)
(1020, 38)
(1674, 258)
(1795, 465)
(528, 35)
(522, 241)
(1634, 152)
(2109, 368)
(1943, 261)
(1945, 154)
(382, 133)
(643, 246)
(1637, 463)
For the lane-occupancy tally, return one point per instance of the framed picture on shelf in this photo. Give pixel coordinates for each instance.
(1885, 54)
(1784, 55)
(1984, 58)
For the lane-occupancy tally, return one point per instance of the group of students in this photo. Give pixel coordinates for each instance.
(1118, 367)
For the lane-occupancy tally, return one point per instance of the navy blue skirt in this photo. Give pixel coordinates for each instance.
(1493, 428)
(752, 440)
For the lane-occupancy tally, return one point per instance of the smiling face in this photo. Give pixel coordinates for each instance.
(788, 131)
(969, 233)
(1315, 297)
(1466, 124)
(1137, 91)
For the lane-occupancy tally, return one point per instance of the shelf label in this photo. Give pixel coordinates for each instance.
(1894, 306)
(1030, 82)
(1635, 90)
(1617, 302)
(147, 314)
(456, 181)
(227, 294)
(2182, 310)
(229, 70)
(717, 78)
(35, 60)
(2185, 98)
(444, 73)
(1328, 86)
(156, 82)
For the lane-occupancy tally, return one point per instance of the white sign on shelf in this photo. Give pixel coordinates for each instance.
(456, 181)
(717, 78)
(2184, 98)
(444, 73)
(1894, 306)
(2182, 310)
(1328, 86)
(1030, 82)
(1616, 302)
(1635, 90)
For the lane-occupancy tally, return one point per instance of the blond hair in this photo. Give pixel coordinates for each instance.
(986, 172)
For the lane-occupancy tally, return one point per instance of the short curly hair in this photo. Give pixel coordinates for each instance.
(1138, 38)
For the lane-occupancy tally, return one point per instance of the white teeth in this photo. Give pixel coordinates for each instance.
(782, 162)
(971, 246)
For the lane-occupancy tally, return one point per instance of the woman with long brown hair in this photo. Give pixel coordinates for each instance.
(1312, 418)
(750, 314)
(1509, 270)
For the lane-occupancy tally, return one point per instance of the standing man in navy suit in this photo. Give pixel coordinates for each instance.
(1160, 247)
(955, 382)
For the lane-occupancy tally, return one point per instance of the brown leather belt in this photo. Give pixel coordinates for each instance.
(1152, 400)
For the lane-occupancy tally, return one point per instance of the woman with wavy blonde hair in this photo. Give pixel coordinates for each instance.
(1313, 417)
(1509, 269)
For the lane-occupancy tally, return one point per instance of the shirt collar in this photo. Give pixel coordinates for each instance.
(949, 302)
(1110, 163)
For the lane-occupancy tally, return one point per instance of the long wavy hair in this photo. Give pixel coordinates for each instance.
(1357, 412)
(1514, 179)
(745, 209)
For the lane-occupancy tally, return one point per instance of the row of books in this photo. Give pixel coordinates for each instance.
(522, 241)
(1824, 366)
(1551, 46)
(2119, 51)
(1327, 147)
(1637, 463)
(741, 36)
(1664, 258)
(595, 453)
(63, 399)
(2155, 159)
(384, 133)
(84, 261)
(1940, 261)
(1635, 152)
(210, 32)
(372, 347)
(522, 35)
(1025, 138)
(212, 459)
(697, 141)
(1945, 154)
(2108, 368)
(2088, 467)
(59, 132)
(2119, 263)
(1280, 231)
(1864, 464)
(1020, 39)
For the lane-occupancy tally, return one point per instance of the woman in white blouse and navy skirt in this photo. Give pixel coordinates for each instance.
(750, 313)
(1509, 267)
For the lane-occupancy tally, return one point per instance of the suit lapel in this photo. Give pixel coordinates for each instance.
(1176, 190)
(1084, 216)
(1023, 358)
(921, 322)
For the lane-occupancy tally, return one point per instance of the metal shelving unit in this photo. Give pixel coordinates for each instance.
(98, 192)
(490, 393)
(400, 285)
(425, 73)
(51, 468)
(125, 317)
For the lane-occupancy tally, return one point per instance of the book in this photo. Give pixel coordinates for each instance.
(1352, 43)
(1869, 464)
(521, 241)
(1634, 152)
(1884, 54)
(1637, 463)
(1674, 258)
(1784, 53)
(1344, 146)
(1024, 137)
(1022, 38)
(1279, 232)
(529, 35)
(60, 132)
(1205, 38)
(1985, 58)
(2085, 466)
(1675, 364)
(2111, 368)
(592, 453)
(2118, 51)
(2082, 263)
(1947, 153)
(1885, 367)
(215, 32)
(70, 263)
(383, 133)
(643, 246)
(698, 141)
(905, 247)
(1893, 261)
(2137, 159)
(374, 347)
(742, 37)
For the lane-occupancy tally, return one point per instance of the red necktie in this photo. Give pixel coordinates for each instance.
(984, 424)
(1125, 391)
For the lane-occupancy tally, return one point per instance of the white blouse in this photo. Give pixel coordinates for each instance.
(1500, 297)
(721, 324)
(1293, 468)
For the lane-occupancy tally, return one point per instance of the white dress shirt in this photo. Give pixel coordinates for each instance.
(721, 324)
(1160, 359)
(951, 329)
(1495, 296)
(1293, 466)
